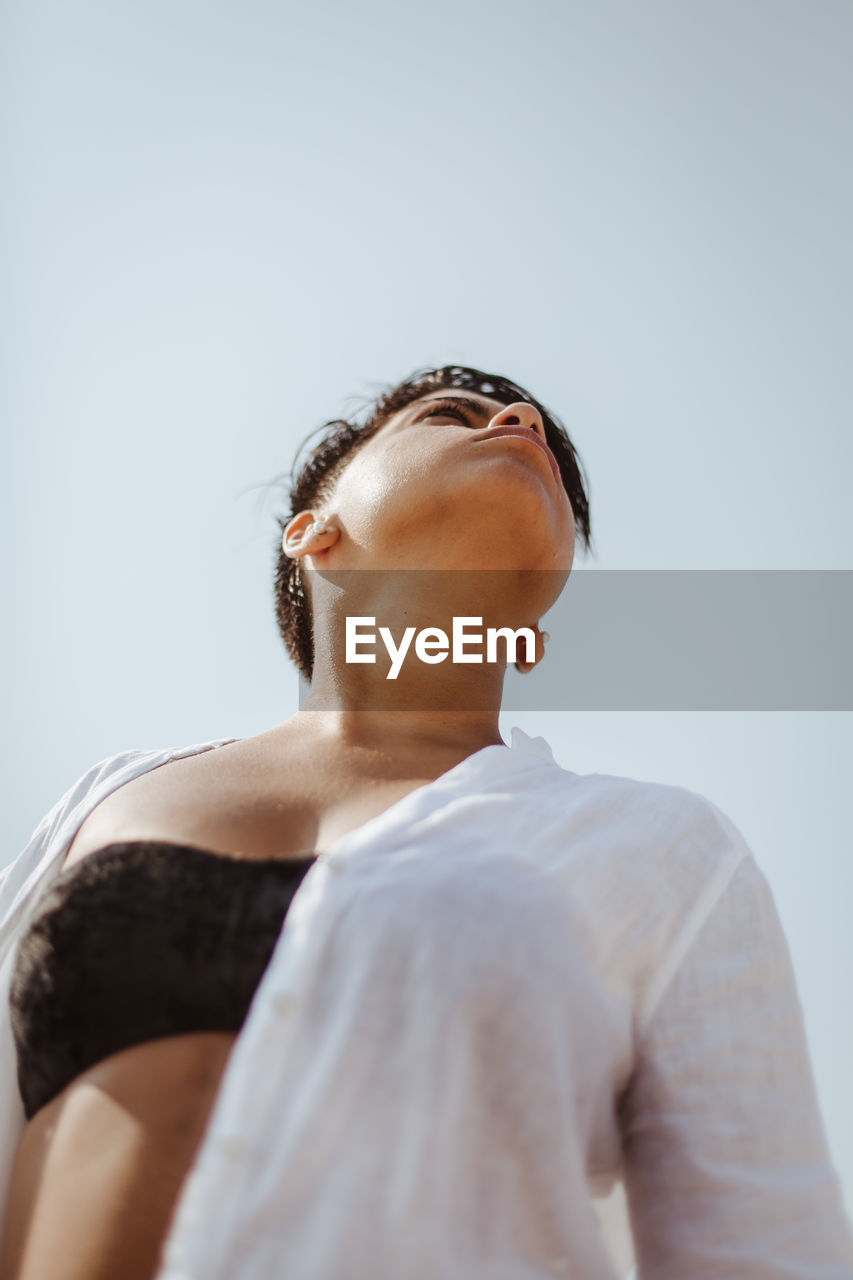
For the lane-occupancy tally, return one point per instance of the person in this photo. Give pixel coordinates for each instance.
(375, 993)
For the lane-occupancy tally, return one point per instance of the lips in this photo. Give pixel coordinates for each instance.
(532, 437)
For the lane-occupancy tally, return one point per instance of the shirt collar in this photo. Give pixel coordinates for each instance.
(521, 741)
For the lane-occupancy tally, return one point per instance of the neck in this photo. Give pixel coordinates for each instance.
(426, 741)
(400, 695)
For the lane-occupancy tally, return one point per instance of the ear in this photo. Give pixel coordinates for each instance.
(541, 636)
(308, 535)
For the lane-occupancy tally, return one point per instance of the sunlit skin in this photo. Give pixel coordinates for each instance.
(100, 1168)
(431, 493)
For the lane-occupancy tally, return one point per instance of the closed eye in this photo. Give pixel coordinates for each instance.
(446, 410)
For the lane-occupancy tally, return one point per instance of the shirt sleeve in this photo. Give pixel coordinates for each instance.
(726, 1163)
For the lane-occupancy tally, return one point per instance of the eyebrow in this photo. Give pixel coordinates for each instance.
(474, 406)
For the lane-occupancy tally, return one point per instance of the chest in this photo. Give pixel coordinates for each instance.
(248, 803)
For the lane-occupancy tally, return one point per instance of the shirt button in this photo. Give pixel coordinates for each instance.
(283, 1002)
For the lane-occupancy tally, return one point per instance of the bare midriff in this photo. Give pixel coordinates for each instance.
(99, 1168)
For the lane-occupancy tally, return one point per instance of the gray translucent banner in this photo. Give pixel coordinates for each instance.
(635, 640)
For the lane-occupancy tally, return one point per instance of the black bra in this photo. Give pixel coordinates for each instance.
(141, 939)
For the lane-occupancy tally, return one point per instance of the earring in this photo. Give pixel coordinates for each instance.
(545, 636)
(319, 526)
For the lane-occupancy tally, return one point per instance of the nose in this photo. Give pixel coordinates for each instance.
(520, 414)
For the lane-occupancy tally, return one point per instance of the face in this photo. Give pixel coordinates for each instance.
(456, 481)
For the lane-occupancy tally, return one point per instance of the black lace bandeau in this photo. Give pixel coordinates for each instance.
(141, 939)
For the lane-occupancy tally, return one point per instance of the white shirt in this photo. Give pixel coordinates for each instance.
(488, 1005)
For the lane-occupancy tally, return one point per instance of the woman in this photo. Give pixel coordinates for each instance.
(500, 988)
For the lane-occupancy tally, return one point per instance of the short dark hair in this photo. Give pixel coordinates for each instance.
(315, 480)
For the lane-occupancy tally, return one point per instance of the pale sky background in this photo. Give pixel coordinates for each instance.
(220, 220)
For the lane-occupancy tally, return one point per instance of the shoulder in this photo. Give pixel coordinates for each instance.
(636, 867)
(106, 775)
(641, 856)
(656, 816)
(25, 874)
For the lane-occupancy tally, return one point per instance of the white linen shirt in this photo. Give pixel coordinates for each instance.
(515, 989)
